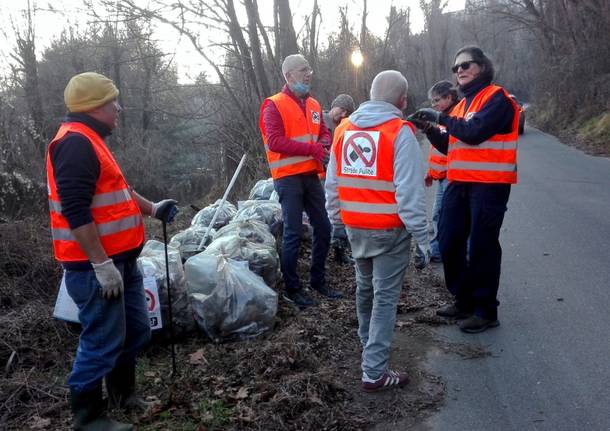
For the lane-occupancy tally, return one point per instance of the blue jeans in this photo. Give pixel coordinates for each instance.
(113, 331)
(472, 216)
(300, 193)
(381, 259)
(436, 213)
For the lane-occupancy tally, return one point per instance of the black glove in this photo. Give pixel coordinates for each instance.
(165, 210)
(424, 126)
(339, 237)
(326, 159)
(425, 114)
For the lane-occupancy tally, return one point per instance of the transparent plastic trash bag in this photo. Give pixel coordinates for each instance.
(262, 190)
(152, 264)
(252, 230)
(225, 215)
(240, 306)
(262, 259)
(187, 241)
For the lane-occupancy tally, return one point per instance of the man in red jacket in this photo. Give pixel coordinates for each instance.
(297, 142)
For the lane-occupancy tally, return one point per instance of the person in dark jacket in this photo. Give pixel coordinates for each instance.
(481, 148)
(443, 97)
(98, 233)
(341, 107)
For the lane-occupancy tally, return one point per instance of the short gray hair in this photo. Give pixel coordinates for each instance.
(389, 86)
(293, 62)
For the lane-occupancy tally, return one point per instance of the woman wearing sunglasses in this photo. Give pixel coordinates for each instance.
(481, 148)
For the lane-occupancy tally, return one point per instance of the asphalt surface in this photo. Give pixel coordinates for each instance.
(549, 363)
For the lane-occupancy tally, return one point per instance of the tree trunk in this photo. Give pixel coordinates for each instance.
(287, 36)
(255, 46)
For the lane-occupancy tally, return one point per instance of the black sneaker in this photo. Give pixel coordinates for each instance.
(453, 312)
(300, 298)
(475, 324)
(324, 290)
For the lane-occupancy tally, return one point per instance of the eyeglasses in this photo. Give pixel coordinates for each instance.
(306, 70)
(464, 65)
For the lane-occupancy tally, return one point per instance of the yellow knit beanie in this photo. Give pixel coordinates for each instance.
(87, 91)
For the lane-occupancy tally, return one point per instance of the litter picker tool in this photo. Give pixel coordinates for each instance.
(222, 201)
(169, 299)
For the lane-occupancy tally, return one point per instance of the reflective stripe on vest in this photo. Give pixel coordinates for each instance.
(363, 183)
(362, 207)
(492, 161)
(298, 126)
(109, 228)
(437, 164)
(367, 200)
(116, 215)
(99, 200)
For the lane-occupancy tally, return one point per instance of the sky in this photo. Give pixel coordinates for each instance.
(189, 63)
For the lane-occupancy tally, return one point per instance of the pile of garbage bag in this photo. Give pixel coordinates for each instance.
(262, 259)
(188, 240)
(152, 264)
(225, 215)
(229, 301)
(262, 190)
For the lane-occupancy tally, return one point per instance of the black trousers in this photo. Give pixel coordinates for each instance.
(473, 212)
(298, 193)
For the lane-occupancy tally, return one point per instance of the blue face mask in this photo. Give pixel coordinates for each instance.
(299, 88)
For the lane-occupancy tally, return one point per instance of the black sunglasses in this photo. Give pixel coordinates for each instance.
(465, 66)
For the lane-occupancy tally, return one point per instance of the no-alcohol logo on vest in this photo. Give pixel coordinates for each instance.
(360, 153)
(315, 117)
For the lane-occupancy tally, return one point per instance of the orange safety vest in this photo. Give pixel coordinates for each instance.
(297, 126)
(492, 161)
(322, 175)
(437, 163)
(365, 174)
(116, 214)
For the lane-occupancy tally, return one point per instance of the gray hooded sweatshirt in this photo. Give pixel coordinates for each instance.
(409, 171)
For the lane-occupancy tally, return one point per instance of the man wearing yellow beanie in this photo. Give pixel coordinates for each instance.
(98, 233)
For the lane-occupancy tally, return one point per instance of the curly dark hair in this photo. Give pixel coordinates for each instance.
(479, 57)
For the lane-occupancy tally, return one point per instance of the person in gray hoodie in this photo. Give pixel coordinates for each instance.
(375, 197)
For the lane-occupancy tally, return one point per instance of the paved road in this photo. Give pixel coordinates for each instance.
(549, 367)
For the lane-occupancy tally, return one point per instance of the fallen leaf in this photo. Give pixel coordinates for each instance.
(197, 358)
(39, 423)
(242, 393)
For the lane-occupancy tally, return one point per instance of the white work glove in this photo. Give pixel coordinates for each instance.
(109, 277)
(422, 258)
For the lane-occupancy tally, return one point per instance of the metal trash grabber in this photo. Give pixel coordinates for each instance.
(222, 202)
(169, 299)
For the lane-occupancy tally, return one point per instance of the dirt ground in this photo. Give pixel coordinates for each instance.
(304, 375)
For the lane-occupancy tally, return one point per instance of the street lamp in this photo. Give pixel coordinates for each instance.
(357, 58)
